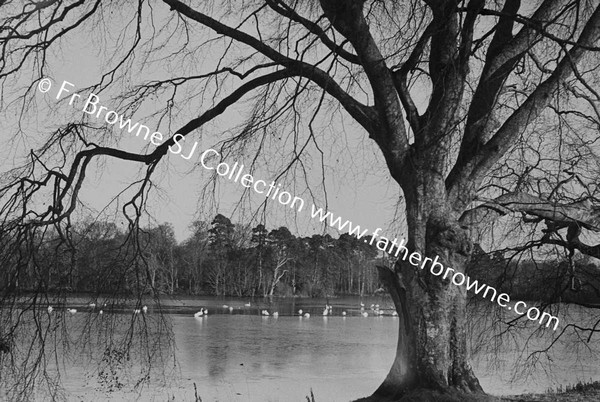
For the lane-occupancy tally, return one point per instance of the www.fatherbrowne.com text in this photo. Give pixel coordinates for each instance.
(436, 268)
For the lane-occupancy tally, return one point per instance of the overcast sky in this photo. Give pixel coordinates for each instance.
(357, 181)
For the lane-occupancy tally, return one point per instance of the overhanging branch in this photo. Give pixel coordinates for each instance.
(363, 114)
(581, 213)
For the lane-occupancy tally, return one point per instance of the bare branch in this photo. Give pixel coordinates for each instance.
(469, 174)
(363, 114)
(582, 213)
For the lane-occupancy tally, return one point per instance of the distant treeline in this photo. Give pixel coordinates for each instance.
(547, 281)
(221, 258)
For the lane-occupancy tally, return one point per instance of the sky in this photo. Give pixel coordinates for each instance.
(358, 185)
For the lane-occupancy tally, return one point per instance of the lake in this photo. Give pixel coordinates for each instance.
(236, 354)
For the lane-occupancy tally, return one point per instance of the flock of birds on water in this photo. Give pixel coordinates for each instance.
(327, 311)
(143, 310)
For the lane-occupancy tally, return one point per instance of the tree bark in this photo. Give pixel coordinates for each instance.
(432, 341)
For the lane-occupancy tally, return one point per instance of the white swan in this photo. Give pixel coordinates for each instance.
(344, 313)
(394, 313)
(307, 315)
(365, 314)
(136, 311)
(300, 312)
(199, 313)
(50, 309)
(265, 312)
(100, 312)
(230, 309)
(247, 304)
(326, 311)
(145, 309)
(72, 310)
(276, 314)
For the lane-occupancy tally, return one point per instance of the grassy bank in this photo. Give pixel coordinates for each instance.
(580, 392)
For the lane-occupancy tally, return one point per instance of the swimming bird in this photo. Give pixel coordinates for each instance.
(300, 312)
(230, 309)
(276, 314)
(225, 306)
(394, 313)
(307, 315)
(92, 305)
(326, 311)
(365, 314)
(100, 312)
(136, 311)
(265, 312)
(247, 305)
(50, 309)
(344, 313)
(199, 313)
(205, 311)
(72, 310)
(145, 309)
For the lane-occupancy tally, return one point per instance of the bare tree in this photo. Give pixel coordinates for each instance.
(475, 106)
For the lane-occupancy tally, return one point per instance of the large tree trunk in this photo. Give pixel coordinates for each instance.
(432, 346)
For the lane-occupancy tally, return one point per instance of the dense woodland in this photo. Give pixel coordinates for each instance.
(221, 258)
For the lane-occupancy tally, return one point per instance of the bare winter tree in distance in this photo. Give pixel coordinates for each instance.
(480, 109)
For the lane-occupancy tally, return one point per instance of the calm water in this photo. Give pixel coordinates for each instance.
(242, 356)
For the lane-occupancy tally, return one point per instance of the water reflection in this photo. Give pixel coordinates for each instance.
(241, 355)
(255, 356)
